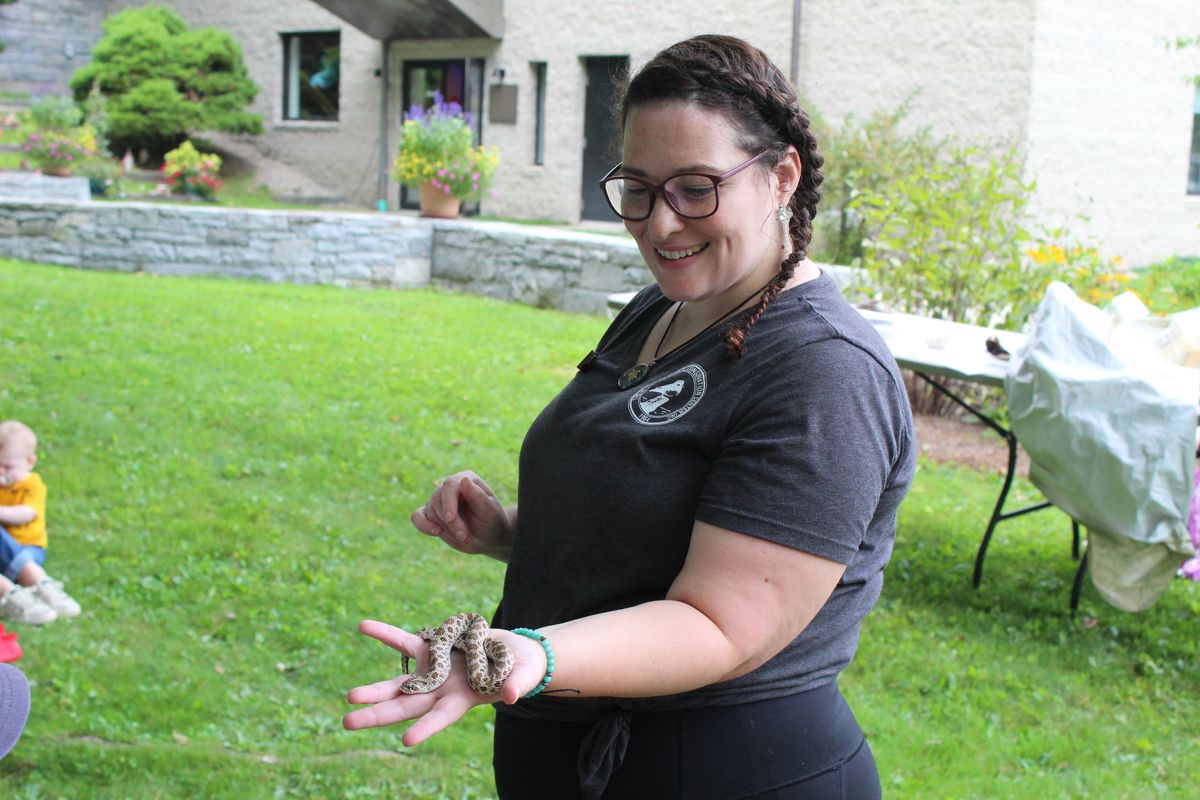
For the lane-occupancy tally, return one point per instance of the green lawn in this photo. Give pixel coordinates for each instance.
(232, 466)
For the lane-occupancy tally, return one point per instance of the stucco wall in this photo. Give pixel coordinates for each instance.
(1111, 124)
(963, 67)
(46, 41)
(340, 155)
(561, 34)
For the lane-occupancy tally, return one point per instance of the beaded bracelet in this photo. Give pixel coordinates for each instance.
(540, 639)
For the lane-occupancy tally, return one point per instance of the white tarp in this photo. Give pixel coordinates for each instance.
(1105, 403)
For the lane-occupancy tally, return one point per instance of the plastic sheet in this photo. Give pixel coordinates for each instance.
(1106, 410)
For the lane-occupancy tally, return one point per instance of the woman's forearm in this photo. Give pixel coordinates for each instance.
(657, 648)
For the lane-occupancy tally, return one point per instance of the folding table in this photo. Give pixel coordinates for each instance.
(934, 347)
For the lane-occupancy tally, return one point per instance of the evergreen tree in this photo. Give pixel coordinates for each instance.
(164, 80)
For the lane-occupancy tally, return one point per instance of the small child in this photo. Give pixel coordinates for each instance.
(35, 597)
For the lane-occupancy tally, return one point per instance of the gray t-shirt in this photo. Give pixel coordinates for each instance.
(806, 441)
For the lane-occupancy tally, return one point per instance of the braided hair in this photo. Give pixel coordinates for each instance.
(728, 75)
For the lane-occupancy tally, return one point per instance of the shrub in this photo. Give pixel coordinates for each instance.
(55, 113)
(861, 160)
(435, 148)
(187, 171)
(1169, 286)
(164, 80)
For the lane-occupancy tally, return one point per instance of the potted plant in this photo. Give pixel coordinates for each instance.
(56, 152)
(436, 158)
(189, 172)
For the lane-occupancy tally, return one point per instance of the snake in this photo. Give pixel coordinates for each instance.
(488, 661)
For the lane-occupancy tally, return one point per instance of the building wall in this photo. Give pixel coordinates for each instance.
(45, 42)
(340, 155)
(1111, 121)
(963, 68)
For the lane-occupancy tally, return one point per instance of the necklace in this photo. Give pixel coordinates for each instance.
(637, 373)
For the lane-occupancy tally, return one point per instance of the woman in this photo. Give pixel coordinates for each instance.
(705, 511)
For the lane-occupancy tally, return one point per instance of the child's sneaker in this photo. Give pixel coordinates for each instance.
(50, 592)
(22, 605)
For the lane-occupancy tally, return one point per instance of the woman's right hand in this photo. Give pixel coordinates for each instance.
(465, 513)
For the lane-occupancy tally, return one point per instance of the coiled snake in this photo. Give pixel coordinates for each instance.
(488, 661)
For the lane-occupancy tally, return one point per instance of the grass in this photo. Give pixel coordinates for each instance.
(231, 469)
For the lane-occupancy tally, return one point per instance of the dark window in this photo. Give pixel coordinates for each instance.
(539, 130)
(311, 64)
(1194, 164)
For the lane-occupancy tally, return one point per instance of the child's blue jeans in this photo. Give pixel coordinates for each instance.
(14, 555)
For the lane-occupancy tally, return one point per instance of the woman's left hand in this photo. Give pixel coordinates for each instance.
(437, 710)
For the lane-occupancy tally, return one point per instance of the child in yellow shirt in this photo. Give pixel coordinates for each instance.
(27, 593)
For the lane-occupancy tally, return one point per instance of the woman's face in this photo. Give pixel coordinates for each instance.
(718, 260)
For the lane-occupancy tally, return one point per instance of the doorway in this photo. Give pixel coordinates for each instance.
(459, 81)
(600, 132)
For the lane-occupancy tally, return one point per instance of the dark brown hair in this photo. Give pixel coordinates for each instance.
(728, 75)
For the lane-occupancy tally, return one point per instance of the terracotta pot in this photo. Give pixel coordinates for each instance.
(58, 172)
(436, 203)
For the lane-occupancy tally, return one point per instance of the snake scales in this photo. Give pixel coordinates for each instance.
(488, 661)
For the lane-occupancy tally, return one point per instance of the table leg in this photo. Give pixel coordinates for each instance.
(1077, 584)
(998, 512)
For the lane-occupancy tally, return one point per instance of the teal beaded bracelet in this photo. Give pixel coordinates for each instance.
(540, 639)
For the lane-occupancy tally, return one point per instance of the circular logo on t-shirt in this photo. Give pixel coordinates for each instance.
(667, 399)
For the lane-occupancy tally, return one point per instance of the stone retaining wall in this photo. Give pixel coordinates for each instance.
(36, 186)
(551, 268)
(341, 249)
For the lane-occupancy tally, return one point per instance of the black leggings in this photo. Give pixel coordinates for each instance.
(802, 747)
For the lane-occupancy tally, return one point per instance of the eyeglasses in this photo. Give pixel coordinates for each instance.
(692, 195)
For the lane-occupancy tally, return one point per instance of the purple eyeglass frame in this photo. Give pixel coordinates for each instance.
(661, 188)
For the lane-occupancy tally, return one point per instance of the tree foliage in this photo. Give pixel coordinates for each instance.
(165, 80)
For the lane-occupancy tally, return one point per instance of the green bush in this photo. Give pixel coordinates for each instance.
(1169, 286)
(189, 172)
(164, 80)
(861, 160)
(55, 113)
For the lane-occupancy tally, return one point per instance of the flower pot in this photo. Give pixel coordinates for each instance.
(436, 203)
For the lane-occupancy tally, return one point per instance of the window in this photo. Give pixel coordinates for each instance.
(1194, 164)
(310, 75)
(539, 130)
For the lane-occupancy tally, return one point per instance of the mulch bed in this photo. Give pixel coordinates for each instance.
(962, 441)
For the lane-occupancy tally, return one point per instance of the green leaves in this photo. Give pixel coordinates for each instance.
(164, 80)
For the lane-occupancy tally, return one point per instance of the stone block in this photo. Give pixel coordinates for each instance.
(407, 273)
(292, 253)
(601, 275)
(236, 236)
(584, 301)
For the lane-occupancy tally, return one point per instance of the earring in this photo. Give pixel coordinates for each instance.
(784, 215)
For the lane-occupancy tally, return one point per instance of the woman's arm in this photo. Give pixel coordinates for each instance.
(737, 602)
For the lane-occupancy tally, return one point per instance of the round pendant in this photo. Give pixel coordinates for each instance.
(633, 376)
